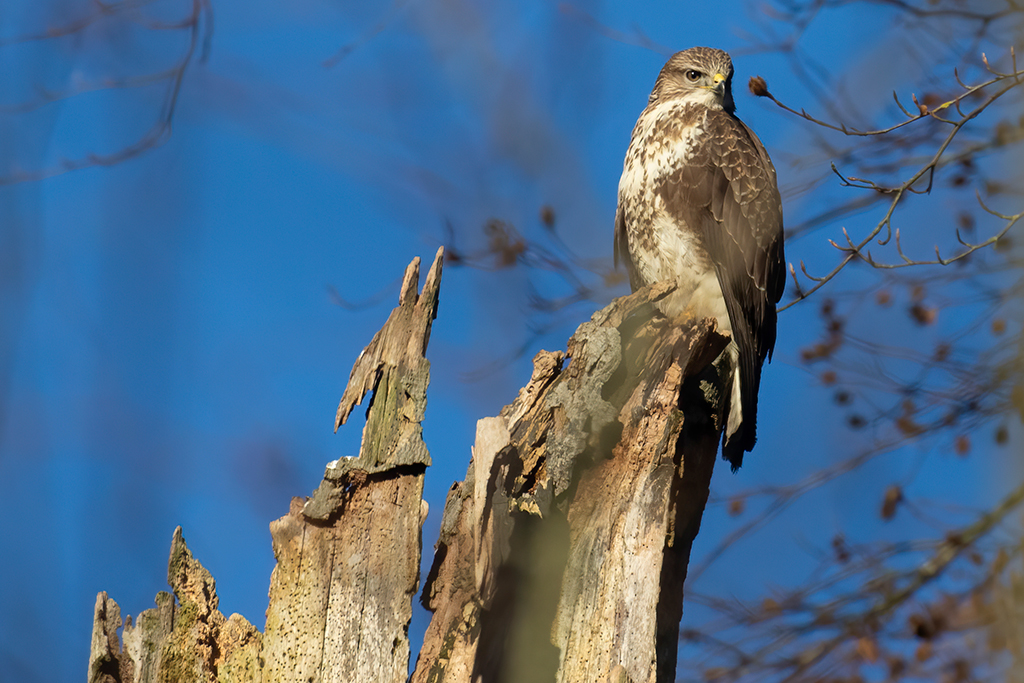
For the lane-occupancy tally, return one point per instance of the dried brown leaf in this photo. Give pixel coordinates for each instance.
(840, 548)
(867, 649)
(758, 86)
(893, 497)
(908, 426)
(923, 315)
(1002, 435)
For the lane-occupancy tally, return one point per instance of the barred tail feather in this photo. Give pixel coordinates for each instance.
(740, 433)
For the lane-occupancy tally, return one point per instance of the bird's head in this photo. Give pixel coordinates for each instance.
(701, 75)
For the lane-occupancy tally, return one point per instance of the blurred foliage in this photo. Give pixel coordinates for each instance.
(107, 33)
(920, 344)
(946, 605)
(918, 303)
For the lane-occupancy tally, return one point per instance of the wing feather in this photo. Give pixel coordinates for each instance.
(728, 188)
(743, 236)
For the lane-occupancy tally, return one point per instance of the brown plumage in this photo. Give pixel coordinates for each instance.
(699, 202)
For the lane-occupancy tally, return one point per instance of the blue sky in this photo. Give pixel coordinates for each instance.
(171, 351)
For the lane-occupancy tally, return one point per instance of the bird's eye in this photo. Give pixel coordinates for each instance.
(693, 75)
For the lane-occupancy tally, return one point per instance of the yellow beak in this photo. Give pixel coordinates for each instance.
(717, 84)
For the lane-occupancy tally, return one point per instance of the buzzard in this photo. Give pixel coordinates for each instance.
(699, 203)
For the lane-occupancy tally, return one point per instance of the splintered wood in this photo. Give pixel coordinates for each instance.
(347, 558)
(184, 640)
(562, 553)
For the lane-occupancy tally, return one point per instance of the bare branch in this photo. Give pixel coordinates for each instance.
(907, 186)
(160, 131)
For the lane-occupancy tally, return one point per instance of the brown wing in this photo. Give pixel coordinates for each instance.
(744, 238)
(728, 188)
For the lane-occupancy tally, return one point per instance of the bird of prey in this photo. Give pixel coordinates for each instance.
(699, 203)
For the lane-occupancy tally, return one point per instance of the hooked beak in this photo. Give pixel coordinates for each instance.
(718, 83)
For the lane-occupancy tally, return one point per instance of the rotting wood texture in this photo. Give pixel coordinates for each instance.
(185, 640)
(562, 553)
(347, 557)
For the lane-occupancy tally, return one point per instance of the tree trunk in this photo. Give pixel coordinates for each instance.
(562, 554)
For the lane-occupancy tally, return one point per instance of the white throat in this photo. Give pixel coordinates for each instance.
(703, 96)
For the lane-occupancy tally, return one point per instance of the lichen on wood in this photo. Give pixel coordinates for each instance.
(185, 639)
(562, 553)
(348, 557)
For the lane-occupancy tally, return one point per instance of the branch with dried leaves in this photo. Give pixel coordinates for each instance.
(858, 613)
(1006, 82)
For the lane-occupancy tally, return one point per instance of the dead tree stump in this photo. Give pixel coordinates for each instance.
(562, 553)
(348, 557)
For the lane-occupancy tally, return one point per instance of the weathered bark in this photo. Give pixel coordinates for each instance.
(181, 642)
(562, 554)
(348, 557)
